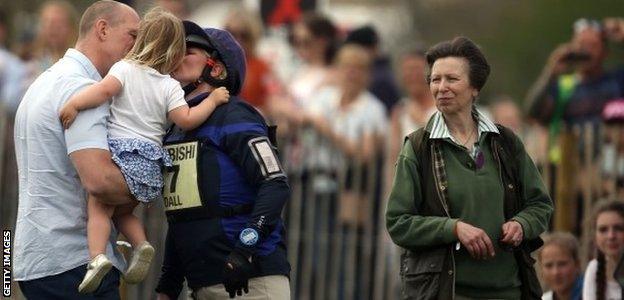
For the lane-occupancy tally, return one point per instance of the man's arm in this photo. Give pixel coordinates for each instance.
(539, 104)
(100, 176)
(87, 147)
(363, 150)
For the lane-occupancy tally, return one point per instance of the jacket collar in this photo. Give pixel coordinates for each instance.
(438, 130)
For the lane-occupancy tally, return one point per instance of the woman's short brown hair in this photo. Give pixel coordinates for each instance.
(478, 67)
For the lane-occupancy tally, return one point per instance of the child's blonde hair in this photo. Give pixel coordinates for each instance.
(160, 41)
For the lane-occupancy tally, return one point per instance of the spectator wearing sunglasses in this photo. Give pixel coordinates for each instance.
(314, 39)
(260, 83)
(467, 204)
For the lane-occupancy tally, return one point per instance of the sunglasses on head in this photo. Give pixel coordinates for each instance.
(583, 23)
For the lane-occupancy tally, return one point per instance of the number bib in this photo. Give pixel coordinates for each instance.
(181, 189)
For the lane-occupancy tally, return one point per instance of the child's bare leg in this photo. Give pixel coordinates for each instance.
(98, 226)
(129, 224)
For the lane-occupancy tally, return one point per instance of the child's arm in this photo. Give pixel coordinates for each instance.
(189, 118)
(92, 96)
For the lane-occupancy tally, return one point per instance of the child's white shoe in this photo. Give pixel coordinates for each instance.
(139, 263)
(96, 270)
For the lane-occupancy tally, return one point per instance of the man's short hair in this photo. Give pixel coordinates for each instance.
(103, 9)
(365, 36)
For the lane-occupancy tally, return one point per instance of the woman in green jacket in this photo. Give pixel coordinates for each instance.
(467, 203)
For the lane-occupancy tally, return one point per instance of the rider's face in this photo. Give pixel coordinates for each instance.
(192, 65)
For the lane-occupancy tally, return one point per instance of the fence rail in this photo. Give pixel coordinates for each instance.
(337, 243)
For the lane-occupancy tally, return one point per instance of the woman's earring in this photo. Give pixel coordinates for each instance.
(474, 98)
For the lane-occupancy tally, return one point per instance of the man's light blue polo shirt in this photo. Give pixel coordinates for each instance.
(51, 229)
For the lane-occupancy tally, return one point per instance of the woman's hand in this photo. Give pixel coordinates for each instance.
(476, 241)
(68, 115)
(512, 233)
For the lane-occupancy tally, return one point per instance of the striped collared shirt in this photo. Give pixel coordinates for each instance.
(439, 130)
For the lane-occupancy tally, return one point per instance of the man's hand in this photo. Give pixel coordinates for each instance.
(476, 241)
(512, 233)
(238, 268)
(556, 63)
(614, 29)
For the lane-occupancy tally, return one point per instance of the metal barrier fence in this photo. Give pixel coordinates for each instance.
(591, 169)
(8, 171)
(337, 243)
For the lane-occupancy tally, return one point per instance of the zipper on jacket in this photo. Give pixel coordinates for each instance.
(435, 178)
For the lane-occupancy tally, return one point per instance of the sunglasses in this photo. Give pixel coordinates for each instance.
(582, 24)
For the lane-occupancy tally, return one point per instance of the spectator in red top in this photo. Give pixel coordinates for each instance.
(246, 28)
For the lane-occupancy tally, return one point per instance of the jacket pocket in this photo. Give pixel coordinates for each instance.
(420, 273)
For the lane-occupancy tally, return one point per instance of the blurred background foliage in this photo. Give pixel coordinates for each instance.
(517, 36)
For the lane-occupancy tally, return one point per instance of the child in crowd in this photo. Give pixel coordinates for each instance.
(144, 99)
(561, 267)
